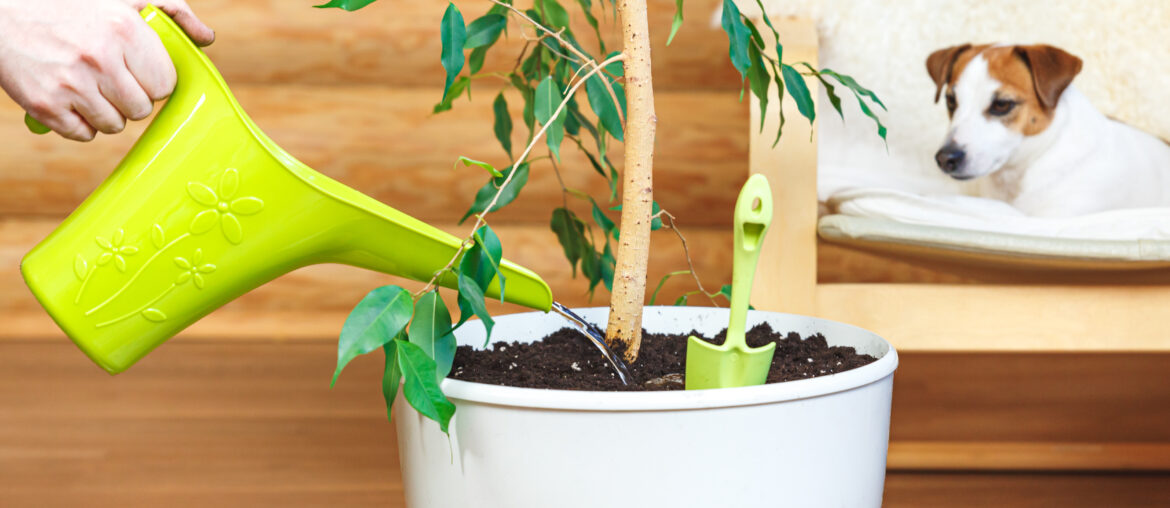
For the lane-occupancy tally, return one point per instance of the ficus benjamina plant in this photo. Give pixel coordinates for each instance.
(416, 330)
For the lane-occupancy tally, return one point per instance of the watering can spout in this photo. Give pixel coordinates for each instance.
(205, 208)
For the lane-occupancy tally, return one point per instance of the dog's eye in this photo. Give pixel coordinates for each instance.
(1000, 107)
(951, 104)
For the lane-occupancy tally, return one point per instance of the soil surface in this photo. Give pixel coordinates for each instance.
(566, 360)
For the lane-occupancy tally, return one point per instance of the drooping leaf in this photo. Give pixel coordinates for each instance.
(572, 117)
(430, 330)
(471, 301)
(738, 36)
(617, 68)
(348, 5)
(503, 123)
(656, 222)
(799, 91)
(830, 90)
(391, 376)
(461, 84)
(608, 264)
(484, 31)
(587, 9)
(662, 282)
(421, 389)
(590, 265)
(678, 20)
(486, 193)
(852, 84)
(607, 225)
(472, 162)
(376, 320)
(760, 81)
(682, 300)
(453, 34)
(548, 99)
(603, 106)
(570, 233)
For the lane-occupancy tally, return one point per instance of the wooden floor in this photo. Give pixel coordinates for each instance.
(253, 423)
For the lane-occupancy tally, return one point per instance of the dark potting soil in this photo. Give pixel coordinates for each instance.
(565, 360)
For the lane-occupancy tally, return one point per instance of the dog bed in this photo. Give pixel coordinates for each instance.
(992, 234)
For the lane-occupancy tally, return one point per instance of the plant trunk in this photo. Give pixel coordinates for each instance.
(629, 281)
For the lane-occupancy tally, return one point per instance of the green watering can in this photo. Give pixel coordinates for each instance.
(205, 208)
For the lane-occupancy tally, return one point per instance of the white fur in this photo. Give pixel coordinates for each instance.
(987, 142)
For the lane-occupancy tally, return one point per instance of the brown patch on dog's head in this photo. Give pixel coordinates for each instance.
(1032, 77)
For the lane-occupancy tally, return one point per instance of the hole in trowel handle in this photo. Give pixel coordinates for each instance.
(757, 204)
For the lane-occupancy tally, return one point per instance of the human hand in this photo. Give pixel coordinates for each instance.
(84, 66)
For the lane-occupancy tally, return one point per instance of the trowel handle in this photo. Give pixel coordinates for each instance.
(148, 13)
(753, 215)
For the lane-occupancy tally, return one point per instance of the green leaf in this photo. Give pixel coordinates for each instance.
(484, 31)
(738, 36)
(488, 192)
(461, 84)
(616, 68)
(475, 60)
(678, 20)
(548, 99)
(555, 15)
(471, 301)
(852, 84)
(656, 223)
(662, 282)
(348, 5)
(453, 34)
(503, 123)
(682, 300)
(430, 330)
(472, 162)
(376, 320)
(587, 9)
(570, 233)
(607, 225)
(829, 89)
(776, 34)
(391, 376)
(780, 91)
(603, 106)
(608, 263)
(421, 388)
(481, 262)
(799, 91)
(590, 265)
(760, 80)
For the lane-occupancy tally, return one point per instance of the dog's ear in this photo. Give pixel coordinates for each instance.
(1052, 70)
(941, 63)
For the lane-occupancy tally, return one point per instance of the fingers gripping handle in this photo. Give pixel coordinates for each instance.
(36, 127)
(753, 215)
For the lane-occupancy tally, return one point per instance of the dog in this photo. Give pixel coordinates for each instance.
(1016, 119)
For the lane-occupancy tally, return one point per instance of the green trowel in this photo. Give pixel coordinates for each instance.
(205, 208)
(734, 363)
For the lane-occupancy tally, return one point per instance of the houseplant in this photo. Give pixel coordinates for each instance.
(419, 336)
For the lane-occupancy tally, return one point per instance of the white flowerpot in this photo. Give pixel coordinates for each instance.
(808, 443)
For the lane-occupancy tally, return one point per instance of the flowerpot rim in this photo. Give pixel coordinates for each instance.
(573, 400)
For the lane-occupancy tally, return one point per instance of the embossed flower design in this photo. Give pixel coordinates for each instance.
(115, 251)
(193, 269)
(222, 207)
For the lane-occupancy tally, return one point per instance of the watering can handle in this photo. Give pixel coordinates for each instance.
(148, 13)
(753, 215)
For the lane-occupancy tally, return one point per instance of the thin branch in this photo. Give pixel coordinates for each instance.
(480, 217)
(686, 251)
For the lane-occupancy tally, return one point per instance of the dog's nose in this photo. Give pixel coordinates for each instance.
(950, 158)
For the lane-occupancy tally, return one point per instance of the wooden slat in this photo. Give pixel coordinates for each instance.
(1017, 397)
(1028, 456)
(946, 317)
(197, 425)
(959, 490)
(397, 43)
(386, 143)
(333, 289)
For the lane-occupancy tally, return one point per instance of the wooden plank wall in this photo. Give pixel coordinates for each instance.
(238, 411)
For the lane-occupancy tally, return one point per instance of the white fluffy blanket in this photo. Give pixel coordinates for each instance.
(884, 44)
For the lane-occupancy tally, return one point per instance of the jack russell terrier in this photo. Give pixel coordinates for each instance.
(1047, 151)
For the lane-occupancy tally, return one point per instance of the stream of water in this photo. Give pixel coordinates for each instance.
(597, 337)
